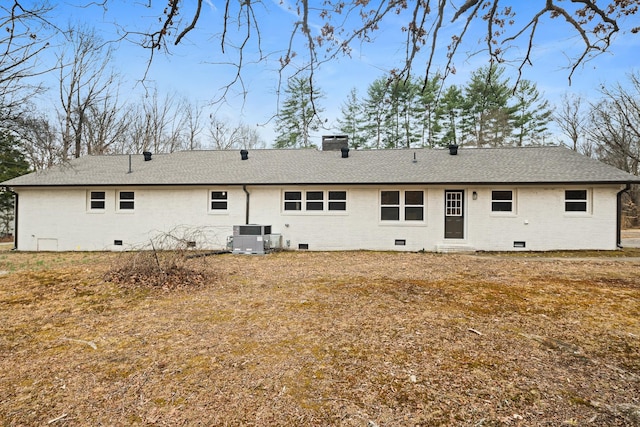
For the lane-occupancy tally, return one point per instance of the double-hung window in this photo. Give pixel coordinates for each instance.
(502, 201)
(218, 201)
(390, 205)
(315, 201)
(126, 200)
(413, 205)
(407, 205)
(575, 201)
(293, 200)
(337, 200)
(97, 200)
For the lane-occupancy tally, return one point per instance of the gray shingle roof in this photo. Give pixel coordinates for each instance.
(431, 166)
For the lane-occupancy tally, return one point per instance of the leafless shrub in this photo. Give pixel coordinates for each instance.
(170, 261)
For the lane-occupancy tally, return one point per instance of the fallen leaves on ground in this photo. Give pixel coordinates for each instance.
(339, 338)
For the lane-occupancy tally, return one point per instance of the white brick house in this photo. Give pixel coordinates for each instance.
(534, 198)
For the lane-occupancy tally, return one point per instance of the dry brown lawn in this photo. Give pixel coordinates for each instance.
(322, 339)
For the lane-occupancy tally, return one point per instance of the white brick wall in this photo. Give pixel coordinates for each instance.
(59, 219)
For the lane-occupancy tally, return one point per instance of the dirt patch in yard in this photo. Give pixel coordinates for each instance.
(344, 338)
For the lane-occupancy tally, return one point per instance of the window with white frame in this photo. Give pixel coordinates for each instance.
(218, 201)
(575, 200)
(502, 201)
(397, 205)
(337, 200)
(97, 200)
(315, 201)
(453, 203)
(126, 200)
(413, 205)
(293, 200)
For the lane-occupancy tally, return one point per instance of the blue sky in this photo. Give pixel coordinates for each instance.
(199, 70)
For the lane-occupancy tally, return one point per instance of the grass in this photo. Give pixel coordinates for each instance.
(352, 339)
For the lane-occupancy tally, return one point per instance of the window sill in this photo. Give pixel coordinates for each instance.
(402, 223)
(577, 214)
(315, 213)
(503, 214)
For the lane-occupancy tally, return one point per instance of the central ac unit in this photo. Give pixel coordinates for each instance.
(251, 239)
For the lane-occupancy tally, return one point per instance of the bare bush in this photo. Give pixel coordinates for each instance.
(169, 262)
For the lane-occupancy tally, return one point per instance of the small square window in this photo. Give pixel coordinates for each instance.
(219, 201)
(315, 200)
(502, 201)
(97, 200)
(292, 200)
(390, 213)
(413, 213)
(575, 201)
(126, 200)
(337, 200)
(390, 197)
(413, 198)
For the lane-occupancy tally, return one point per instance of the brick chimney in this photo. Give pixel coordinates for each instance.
(334, 142)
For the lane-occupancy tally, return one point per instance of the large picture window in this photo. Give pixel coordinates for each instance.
(396, 205)
(502, 201)
(575, 201)
(315, 201)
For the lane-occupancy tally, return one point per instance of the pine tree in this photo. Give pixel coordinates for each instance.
(299, 116)
(352, 122)
(451, 109)
(375, 112)
(488, 117)
(532, 116)
(12, 164)
(429, 112)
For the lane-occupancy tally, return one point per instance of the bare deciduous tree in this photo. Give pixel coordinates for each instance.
(571, 118)
(40, 142)
(332, 27)
(106, 126)
(23, 36)
(84, 83)
(224, 136)
(613, 129)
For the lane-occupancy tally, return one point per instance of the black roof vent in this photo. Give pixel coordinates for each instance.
(147, 155)
(453, 149)
(244, 154)
(345, 152)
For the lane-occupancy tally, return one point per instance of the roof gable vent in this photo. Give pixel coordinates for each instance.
(244, 154)
(147, 155)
